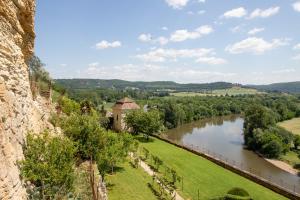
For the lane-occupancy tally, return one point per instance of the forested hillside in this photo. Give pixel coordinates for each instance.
(290, 87)
(152, 86)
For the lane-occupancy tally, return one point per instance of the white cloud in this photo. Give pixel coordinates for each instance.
(201, 55)
(297, 47)
(255, 45)
(283, 71)
(148, 38)
(105, 44)
(162, 40)
(235, 13)
(145, 37)
(201, 12)
(183, 34)
(63, 65)
(177, 4)
(211, 60)
(297, 57)
(149, 72)
(296, 6)
(201, 1)
(264, 13)
(94, 64)
(255, 31)
(164, 28)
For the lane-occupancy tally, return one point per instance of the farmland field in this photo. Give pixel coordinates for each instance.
(231, 91)
(292, 125)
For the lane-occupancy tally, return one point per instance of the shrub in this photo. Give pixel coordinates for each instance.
(237, 194)
(48, 165)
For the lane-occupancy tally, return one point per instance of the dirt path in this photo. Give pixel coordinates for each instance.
(149, 171)
(282, 165)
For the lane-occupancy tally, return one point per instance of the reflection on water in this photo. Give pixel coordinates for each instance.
(224, 136)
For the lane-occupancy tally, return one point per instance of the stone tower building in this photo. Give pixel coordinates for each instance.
(119, 112)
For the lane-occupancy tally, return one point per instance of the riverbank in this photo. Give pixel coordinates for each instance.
(283, 165)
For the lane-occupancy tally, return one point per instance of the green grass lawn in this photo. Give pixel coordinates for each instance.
(292, 125)
(291, 158)
(198, 173)
(129, 184)
(231, 91)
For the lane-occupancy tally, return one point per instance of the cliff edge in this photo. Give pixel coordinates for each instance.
(19, 113)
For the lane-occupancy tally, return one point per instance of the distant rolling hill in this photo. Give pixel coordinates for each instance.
(151, 86)
(289, 87)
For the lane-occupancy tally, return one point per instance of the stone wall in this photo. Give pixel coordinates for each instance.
(261, 181)
(19, 113)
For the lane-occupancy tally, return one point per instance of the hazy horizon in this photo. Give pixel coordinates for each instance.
(185, 41)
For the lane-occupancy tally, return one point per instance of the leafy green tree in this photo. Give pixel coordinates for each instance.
(86, 132)
(144, 122)
(256, 116)
(68, 106)
(37, 71)
(271, 142)
(86, 107)
(116, 149)
(49, 165)
(272, 149)
(296, 141)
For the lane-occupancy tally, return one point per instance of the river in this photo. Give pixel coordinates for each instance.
(223, 137)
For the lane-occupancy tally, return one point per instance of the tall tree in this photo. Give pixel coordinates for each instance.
(37, 71)
(144, 122)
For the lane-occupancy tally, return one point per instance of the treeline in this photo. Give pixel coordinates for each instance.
(141, 85)
(261, 132)
(99, 96)
(178, 111)
(290, 87)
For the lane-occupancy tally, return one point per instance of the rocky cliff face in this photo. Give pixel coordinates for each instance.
(19, 113)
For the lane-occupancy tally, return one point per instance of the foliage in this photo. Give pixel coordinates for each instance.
(290, 87)
(157, 162)
(296, 141)
(145, 153)
(49, 165)
(85, 131)
(139, 85)
(68, 106)
(261, 133)
(143, 122)
(37, 71)
(116, 149)
(238, 191)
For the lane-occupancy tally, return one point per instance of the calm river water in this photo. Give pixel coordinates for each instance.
(224, 136)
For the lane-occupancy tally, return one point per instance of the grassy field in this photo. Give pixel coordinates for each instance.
(292, 125)
(231, 91)
(130, 184)
(200, 174)
(291, 158)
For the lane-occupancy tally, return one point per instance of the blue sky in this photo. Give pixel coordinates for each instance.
(185, 41)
